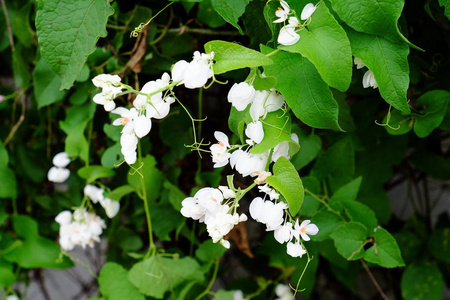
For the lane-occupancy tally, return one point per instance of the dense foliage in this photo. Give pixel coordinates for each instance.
(179, 127)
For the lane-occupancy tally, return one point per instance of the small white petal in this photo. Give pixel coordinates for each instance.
(307, 11)
(61, 160)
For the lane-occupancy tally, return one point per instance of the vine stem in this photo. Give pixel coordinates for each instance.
(211, 282)
(8, 25)
(151, 247)
(374, 281)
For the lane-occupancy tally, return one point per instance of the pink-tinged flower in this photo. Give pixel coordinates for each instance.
(304, 229)
(295, 250)
(219, 153)
(307, 11)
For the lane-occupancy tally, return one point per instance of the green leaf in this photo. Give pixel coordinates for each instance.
(236, 122)
(378, 17)
(120, 192)
(389, 64)
(347, 192)
(359, 212)
(337, 164)
(67, 33)
(309, 149)
(34, 251)
(385, 251)
(439, 244)
(255, 26)
(230, 10)
(446, 4)
(76, 143)
(21, 27)
(7, 277)
(92, 173)
(112, 157)
(261, 83)
(325, 43)
(349, 239)
(422, 281)
(286, 181)
(208, 251)
(152, 178)
(327, 222)
(224, 295)
(231, 56)
(306, 93)
(156, 275)
(165, 219)
(46, 85)
(398, 123)
(206, 14)
(277, 129)
(175, 195)
(114, 284)
(8, 186)
(435, 103)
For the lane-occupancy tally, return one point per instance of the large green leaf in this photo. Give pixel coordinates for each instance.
(389, 64)
(230, 10)
(231, 56)
(446, 4)
(385, 251)
(156, 275)
(114, 284)
(286, 181)
(378, 17)
(422, 281)
(92, 173)
(68, 31)
(306, 93)
(435, 103)
(325, 43)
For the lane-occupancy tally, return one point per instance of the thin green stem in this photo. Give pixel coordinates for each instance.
(324, 203)
(303, 273)
(151, 247)
(199, 127)
(211, 282)
(273, 52)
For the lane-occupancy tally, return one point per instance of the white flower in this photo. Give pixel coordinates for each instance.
(282, 149)
(110, 85)
(219, 153)
(142, 126)
(359, 63)
(129, 142)
(58, 175)
(267, 212)
(304, 229)
(273, 195)
(61, 159)
(12, 297)
(369, 80)
(126, 119)
(248, 164)
(82, 229)
(94, 193)
(111, 207)
(283, 233)
(295, 250)
(288, 35)
(64, 217)
(307, 11)
(255, 133)
(210, 199)
(284, 292)
(282, 12)
(225, 243)
(257, 109)
(191, 209)
(196, 73)
(227, 192)
(241, 95)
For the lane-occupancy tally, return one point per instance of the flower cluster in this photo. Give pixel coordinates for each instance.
(272, 215)
(242, 95)
(111, 87)
(96, 195)
(207, 206)
(153, 100)
(59, 173)
(368, 78)
(289, 33)
(79, 228)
